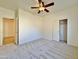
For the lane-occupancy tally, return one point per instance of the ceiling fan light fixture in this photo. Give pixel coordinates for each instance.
(41, 8)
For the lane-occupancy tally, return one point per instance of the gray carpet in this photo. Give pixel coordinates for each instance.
(39, 49)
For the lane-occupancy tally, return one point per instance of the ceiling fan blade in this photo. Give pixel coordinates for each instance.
(43, 4)
(48, 5)
(39, 11)
(46, 10)
(39, 1)
(34, 7)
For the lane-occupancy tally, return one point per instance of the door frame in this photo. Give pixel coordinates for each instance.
(66, 29)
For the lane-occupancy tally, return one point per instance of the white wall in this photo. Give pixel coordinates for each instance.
(30, 27)
(51, 25)
(47, 28)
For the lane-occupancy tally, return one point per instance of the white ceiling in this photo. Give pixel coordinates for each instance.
(26, 4)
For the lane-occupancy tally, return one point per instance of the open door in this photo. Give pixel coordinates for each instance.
(63, 30)
(9, 31)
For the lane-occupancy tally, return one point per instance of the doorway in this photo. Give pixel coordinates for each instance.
(63, 30)
(9, 31)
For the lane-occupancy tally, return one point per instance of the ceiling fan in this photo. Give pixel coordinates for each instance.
(42, 6)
